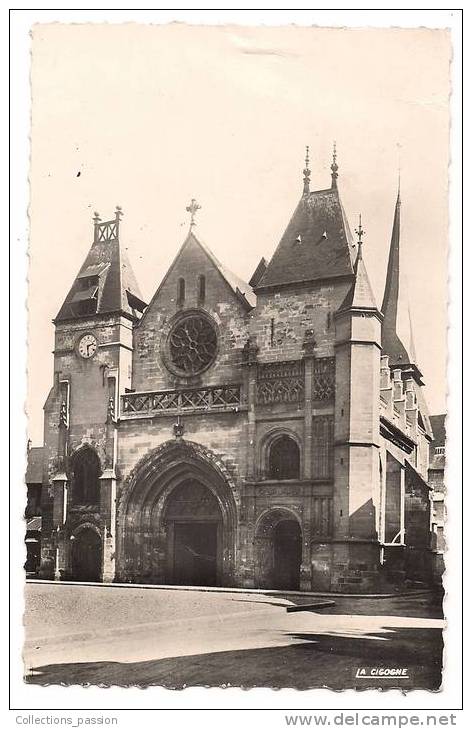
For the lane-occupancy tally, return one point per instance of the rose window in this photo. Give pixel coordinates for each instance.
(192, 344)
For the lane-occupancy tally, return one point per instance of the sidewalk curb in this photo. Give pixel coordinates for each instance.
(107, 633)
(239, 590)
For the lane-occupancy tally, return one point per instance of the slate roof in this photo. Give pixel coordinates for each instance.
(261, 268)
(423, 409)
(438, 425)
(238, 285)
(34, 467)
(107, 261)
(317, 243)
(437, 461)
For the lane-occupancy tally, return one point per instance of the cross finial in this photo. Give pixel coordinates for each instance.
(359, 232)
(193, 209)
(334, 166)
(306, 172)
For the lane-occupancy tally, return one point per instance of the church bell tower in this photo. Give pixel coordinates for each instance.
(92, 368)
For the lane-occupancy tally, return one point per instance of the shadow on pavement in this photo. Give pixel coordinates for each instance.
(428, 606)
(320, 660)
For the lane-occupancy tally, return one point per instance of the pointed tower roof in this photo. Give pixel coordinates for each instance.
(106, 281)
(317, 243)
(397, 334)
(360, 295)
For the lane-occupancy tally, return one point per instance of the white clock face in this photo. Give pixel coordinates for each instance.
(87, 346)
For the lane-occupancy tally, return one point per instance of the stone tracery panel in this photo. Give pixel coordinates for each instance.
(324, 378)
(280, 382)
(323, 441)
(192, 344)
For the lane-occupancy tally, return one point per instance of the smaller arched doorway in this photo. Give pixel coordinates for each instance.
(86, 555)
(278, 547)
(287, 555)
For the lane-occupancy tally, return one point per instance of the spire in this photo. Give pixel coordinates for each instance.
(392, 283)
(306, 173)
(360, 295)
(334, 168)
(399, 173)
(397, 337)
(193, 209)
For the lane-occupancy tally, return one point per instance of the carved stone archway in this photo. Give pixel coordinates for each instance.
(148, 512)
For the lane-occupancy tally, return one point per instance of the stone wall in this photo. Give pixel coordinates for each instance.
(223, 434)
(82, 387)
(227, 312)
(282, 318)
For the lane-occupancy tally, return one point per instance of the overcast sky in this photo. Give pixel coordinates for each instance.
(151, 116)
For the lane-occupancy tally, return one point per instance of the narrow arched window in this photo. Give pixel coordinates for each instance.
(85, 477)
(181, 291)
(201, 288)
(284, 459)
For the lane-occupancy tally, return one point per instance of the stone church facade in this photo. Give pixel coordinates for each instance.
(270, 434)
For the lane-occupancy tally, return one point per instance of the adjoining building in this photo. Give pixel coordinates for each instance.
(34, 482)
(437, 462)
(270, 434)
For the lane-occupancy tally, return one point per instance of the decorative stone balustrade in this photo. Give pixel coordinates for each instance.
(215, 398)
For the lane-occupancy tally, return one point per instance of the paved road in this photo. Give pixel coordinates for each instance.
(131, 636)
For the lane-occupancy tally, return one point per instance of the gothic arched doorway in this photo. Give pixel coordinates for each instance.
(177, 519)
(86, 555)
(278, 551)
(193, 523)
